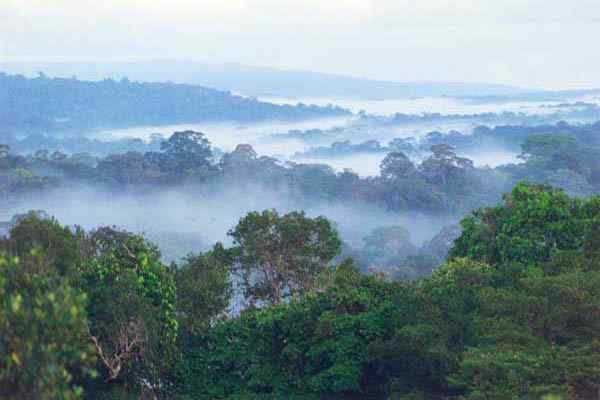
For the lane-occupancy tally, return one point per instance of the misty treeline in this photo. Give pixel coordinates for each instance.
(442, 183)
(578, 111)
(482, 138)
(512, 313)
(53, 105)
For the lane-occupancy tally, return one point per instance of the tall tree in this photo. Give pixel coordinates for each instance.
(396, 165)
(280, 256)
(132, 322)
(186, 152)
(204, 291)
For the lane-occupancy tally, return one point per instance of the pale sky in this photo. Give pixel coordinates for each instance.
(535, 43)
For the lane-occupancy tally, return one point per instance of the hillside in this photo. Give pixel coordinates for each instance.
(262, 81)
(45, 105)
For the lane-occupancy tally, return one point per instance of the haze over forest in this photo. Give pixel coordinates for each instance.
(253, 199)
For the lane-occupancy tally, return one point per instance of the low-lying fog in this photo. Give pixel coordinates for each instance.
(274, 138)
(267, 139)
(364, 164)
(187, 220)
(442, 105)
(228, 135)
(190, 220)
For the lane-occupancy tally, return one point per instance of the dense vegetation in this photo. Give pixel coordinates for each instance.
(501, 137)
(513, 313)
(44, 105)
(436, 185)
(441, 183)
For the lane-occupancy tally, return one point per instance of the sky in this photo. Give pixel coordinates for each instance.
(532, 43)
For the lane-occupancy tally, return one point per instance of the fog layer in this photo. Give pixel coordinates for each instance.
(187, 219)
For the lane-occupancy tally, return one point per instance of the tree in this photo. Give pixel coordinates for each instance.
(124, 169)
(57, 248)
(204, 294)
(241, 156)
(186, 152)
(313, 180)
(534, 328)
(442, 242)
(444, 164)
(131, 309)
(533, 223)
(546, 146)
(242, 163)
(203, 291)
(280, 256)
(317, 346)
(396, 165)
(42, 320)
(388, 246)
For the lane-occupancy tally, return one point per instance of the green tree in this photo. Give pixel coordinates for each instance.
(43, 353)
(534, 325)
(280, 256)
(57, 247)
(186, 152)
(533, 222)
(131, 309)
(311, 347)
(204, 291)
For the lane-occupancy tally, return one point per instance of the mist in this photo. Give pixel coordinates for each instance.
(228, 135)
(192, 219)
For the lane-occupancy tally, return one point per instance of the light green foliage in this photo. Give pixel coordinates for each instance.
(131, 309)
(513, 314)
(533, 222)
(42, 323)
(57, 248)
(535, 323)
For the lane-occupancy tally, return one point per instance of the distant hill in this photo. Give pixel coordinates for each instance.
(47, 105)
(261, 81)
(538, 96)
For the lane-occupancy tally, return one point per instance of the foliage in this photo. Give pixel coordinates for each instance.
(513, 313)
(204, 291)
(532, 224)
(386, 247)
(132, 321)
(42, 320)
(62, 105)
(185, 152)
(307, 348)
(279, 256)
(57, 248)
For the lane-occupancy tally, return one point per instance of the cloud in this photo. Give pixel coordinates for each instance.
(526, 42)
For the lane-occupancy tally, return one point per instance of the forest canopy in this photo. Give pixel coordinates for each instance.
(59, 105)
(518, 292)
